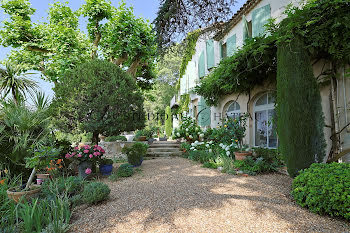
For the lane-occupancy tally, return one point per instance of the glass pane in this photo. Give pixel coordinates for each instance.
(234, 114)
(262, 100)
(234, 106)
(261, 128)
(271, 98)
(273, 141)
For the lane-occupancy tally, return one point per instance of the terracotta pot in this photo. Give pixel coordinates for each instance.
(142, 138)
(43, 176)
(241, 155)
(16, 196)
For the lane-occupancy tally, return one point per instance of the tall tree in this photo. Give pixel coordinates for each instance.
(300, 121)
(13, 81)
(98, 97)
(54, 46)
(178, 17)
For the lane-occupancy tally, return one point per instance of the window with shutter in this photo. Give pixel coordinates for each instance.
(210, 53)
(201, 65)
(260, 17)
(231, 45)
(204, 113)
(247, 28)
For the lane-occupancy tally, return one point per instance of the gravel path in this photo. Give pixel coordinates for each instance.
(177, 195)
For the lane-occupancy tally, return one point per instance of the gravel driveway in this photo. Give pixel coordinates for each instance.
(178, 195)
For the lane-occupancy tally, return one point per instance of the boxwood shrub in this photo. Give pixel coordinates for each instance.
(95, 192)
(324, 189)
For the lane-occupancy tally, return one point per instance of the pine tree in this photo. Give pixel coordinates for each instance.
(300, 120)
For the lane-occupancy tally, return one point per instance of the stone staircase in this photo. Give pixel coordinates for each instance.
(164, 149)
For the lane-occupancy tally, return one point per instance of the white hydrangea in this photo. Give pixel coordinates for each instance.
(220, 144)
(227, 148)
(210, 150)
(195, 150)
(187, 130)
(178, 134)
(207, 145)
(211, 142)
(227, 153)
(190, 136)
(191, 148)
(201, 135)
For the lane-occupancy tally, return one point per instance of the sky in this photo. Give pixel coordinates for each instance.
(142, 8)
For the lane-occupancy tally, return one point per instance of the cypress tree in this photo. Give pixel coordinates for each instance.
(300, 120)
(168, 122)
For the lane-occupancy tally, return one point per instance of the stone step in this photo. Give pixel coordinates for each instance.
(163, 154)
(164, 149)
(165, 142)
(162, 145)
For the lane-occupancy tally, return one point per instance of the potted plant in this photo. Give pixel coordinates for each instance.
(42, 162)
(106, 166)
(238, 127)
(136, 153)
(86, 156)
(140, 136)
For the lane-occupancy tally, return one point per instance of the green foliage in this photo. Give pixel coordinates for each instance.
(135, 153)
(105, 161)
(168, 122)
(96, 192)
(249, 67)
(21, 129)
(190, 43)
(98, 97)
(13, 81)
(42, 157)
(323, 26)
(269, 155)
(125, 170)
(116, 138)
(184, 102)
(253, 166)
(324, 189)
(57, 44)
(63, 186)
(188, 129)
(297, 127)
(211, 165)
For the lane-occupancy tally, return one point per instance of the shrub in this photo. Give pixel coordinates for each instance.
(63, 186)
(269, 155)
(105, 161)
(125, 170)
(300, 121)
(324, 189)
(96, 192)
(116, 138)
(136, 153)
(253, 166)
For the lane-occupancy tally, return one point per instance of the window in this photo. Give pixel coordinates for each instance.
(264, 127)
(233, 110)
(223, 50)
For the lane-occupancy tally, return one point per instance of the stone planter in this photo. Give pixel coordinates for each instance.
(17, 195)
(82, 167)
(142, 138)
(242, 155)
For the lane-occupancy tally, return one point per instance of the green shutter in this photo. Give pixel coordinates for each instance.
(201, 65)
(204, 113)
(260, 17)
(210, 53)
(231, 45)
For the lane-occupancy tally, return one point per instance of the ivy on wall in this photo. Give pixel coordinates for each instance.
(184, 102)
(249, 67)
(322, 25)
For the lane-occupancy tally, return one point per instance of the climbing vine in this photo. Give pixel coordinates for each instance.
(184, 102)
(322, 25)
(249, 67)
(190, 50)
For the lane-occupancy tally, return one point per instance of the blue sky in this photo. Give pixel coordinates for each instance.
(144, 8)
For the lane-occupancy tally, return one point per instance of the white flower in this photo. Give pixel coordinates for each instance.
(227, 148)
(190, 136)
(210, 150)
(187, 130)
(210, 142)
(178, 134)
(201, 135)
(207, 145)
(191, 148)
(195, 150)
(196, 142)
(220, 144)
(227, 153)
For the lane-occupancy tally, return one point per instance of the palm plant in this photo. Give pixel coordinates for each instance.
(13, 81)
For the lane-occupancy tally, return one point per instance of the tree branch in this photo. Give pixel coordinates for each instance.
(37, 49)
(133, 67)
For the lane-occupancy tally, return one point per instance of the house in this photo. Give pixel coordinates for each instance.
(211, 47)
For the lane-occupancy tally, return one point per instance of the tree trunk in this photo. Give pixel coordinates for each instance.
(133, 68)
(119, 61)
(95, 138)
(96, 40)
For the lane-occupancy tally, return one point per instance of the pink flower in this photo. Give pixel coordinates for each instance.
(88, 171)
(103, 151)
(98, 153)
(76, 148)
(79, 155)
(95, 153)
(74, 153)
(91, 156)
(95, 146)
(99, 148)
(67, 156)
(86, 151)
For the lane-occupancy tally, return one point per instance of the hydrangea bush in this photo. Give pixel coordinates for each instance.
(188, 130)
(83, 153)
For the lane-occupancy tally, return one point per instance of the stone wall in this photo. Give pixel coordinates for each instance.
(114, 149)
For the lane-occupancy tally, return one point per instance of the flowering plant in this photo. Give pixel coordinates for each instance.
(86, 153)
(189, 130)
